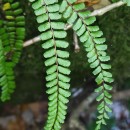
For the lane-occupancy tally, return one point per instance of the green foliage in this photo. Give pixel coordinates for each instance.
(91, 37)
(12, 33)
(57, 62)
(7, 76)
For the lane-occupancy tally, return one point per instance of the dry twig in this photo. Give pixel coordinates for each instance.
(76, 43)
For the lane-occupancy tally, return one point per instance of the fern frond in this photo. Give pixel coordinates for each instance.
(12, 34)
(127, 2)
(91, 37)
(6, 76)
(14, 23)
(57, 63)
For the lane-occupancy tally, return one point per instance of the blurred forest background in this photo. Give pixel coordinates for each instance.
(30, 72)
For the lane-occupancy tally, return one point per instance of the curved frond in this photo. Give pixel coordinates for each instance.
(91, 37)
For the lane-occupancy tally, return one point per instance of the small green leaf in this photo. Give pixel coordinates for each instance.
(107, 87)
(64, 70)
(101, 47)
(63, 62)
(64, 85)
(65, 93)
(63, 99)
(99, 89)
(50, 61)
(68, 12)
(101, 105)
(108, 95)
(108, 109)
(99, 40)
(52, 83)
(100, 97)
(108, 101)
(108, 80)
(97, 70)
(52, 90)
(90, 20)
(94, 64)
(51, 70)
(63, 78)
(62, 54)
(49, 53)
(106, 116)
(99, 79)
(51, 77)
